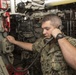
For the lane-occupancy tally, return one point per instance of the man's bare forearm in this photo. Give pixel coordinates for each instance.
(27, 46)
(69, 52)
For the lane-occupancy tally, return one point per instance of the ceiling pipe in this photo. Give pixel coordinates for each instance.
(49, 3)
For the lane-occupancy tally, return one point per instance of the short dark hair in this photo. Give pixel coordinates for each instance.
(55, 20)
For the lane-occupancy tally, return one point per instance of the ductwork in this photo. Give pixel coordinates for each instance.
(49, 3)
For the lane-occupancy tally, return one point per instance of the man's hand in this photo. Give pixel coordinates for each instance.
(55, 32)
(11, 39)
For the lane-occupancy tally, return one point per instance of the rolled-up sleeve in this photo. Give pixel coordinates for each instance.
(38, 45)
(72, 41)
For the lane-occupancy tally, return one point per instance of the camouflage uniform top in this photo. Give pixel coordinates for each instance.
(52, 60)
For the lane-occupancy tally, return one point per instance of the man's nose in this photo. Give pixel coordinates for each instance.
(44, 31)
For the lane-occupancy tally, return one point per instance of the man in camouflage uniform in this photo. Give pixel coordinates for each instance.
(52, 60)
(54, 54)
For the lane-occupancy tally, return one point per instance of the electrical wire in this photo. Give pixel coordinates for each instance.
(25, 69)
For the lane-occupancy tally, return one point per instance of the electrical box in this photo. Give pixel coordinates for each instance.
(3, 4)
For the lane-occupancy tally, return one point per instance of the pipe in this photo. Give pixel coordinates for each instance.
(49, 3)
(12, 2)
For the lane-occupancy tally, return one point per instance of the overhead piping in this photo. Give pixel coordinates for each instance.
(49, 3)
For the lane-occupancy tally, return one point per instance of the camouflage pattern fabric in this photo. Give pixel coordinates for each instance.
(52, 60)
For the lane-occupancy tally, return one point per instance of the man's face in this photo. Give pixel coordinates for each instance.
(47, 29)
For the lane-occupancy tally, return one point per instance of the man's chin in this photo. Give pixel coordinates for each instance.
(47, 37)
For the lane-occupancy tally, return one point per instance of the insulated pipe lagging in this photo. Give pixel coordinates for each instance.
(49, 3)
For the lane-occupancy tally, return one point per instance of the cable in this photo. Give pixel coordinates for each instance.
(25, 69)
